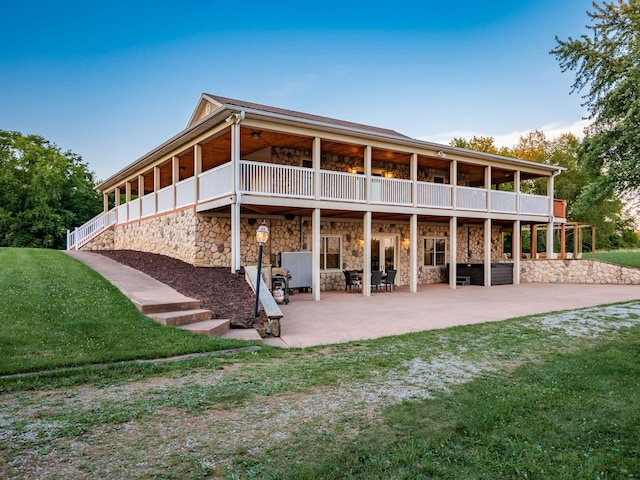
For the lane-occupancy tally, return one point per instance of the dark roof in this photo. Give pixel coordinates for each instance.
(307, 116)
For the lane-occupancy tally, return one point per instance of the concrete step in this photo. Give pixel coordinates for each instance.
(249, 334)
(161, 307)
(181, 317)
(210, 328)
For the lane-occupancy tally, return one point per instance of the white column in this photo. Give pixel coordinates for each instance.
(413, 253)
(127, 199)
(367, 173)
(550, 253)
(175, 177)
(315, 263)
(366, 273)
(414, 179)
(453, 251)
(516, 251)
(453, 180)
(156, 187)
(550, 187)
(516, 189)
(235, 237)
(316, 160)
(117, 196)
(487, 252)
(140, 194)
(236, 205)
(105, 202)
(197, 170)
(487, 185)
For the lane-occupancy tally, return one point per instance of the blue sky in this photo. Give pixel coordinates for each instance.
(112, 80)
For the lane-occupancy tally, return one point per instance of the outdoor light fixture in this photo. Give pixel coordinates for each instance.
(441, 154)
(262, 235)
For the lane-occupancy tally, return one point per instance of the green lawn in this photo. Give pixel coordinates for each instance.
(56, 312)
(629, 258)
(549, 396)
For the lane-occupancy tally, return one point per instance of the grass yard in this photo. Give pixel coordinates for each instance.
(628, 258)
(56, 312)
(549, 396)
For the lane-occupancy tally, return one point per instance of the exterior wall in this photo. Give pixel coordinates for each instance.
(293, 157)
(172, 234)
(476, 244)
(577, 271)
(103, 241)
(213, 245)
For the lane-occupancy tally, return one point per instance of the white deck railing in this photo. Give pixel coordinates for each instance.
(149, 204)
(470, 198)
(435, 195)
(390, 191)
(215, 183)
(276, 180)
(534, 204)
(340, 186)
(504, 202)
(185, 192)
(298, 182)
(83, 234)
(134, 209)
(122, 213)
(166, 199)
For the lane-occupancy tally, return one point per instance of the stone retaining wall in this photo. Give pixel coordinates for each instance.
(205, 240)
(577, 271)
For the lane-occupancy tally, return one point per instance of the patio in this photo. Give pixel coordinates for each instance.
(343, 317)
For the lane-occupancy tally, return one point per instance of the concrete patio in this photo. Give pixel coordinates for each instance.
(343, 317)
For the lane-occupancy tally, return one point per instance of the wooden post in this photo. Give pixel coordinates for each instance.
(534, 241)
(563, 241)
(593, 241)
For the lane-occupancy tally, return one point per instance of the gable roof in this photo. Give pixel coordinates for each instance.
(233, 103)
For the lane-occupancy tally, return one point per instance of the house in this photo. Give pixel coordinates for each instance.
(356, 196)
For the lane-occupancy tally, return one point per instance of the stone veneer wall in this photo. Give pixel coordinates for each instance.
(213, 245)
(577, 271)
(103, 241)
(172, 234)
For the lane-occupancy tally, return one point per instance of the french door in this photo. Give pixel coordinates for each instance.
(383, 252)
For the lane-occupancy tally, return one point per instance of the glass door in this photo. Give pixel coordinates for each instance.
(383, 252)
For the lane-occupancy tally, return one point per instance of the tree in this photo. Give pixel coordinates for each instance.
(43, 191)
(480, 144)
(607, 68)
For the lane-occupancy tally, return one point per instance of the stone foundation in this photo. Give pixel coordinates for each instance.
(205, 240)
(577, 271)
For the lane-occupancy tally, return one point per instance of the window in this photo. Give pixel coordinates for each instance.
(438, 179)
(330, 251)
(435, 252)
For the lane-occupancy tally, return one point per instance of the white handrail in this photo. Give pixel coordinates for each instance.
(392, 191)
(166, 199)
(123, 215)
(185, 192)
(215, 183)
(276, 180)
(504, 202)
(471, 198)
(84, 233)
(345, 187)
(437, 195)
(534, 204)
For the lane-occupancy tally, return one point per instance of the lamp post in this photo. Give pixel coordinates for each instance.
(262, 234)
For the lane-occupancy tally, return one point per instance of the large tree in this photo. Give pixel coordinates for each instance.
(606, 62)
(43, 191)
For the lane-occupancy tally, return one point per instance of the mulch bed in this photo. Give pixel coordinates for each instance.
(225, 294)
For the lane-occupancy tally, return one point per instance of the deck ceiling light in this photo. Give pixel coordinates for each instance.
(255, 134)
(441, 154)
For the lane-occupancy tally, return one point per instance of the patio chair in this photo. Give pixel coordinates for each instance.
(376, 279)
(350, 282)
(389, 281)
